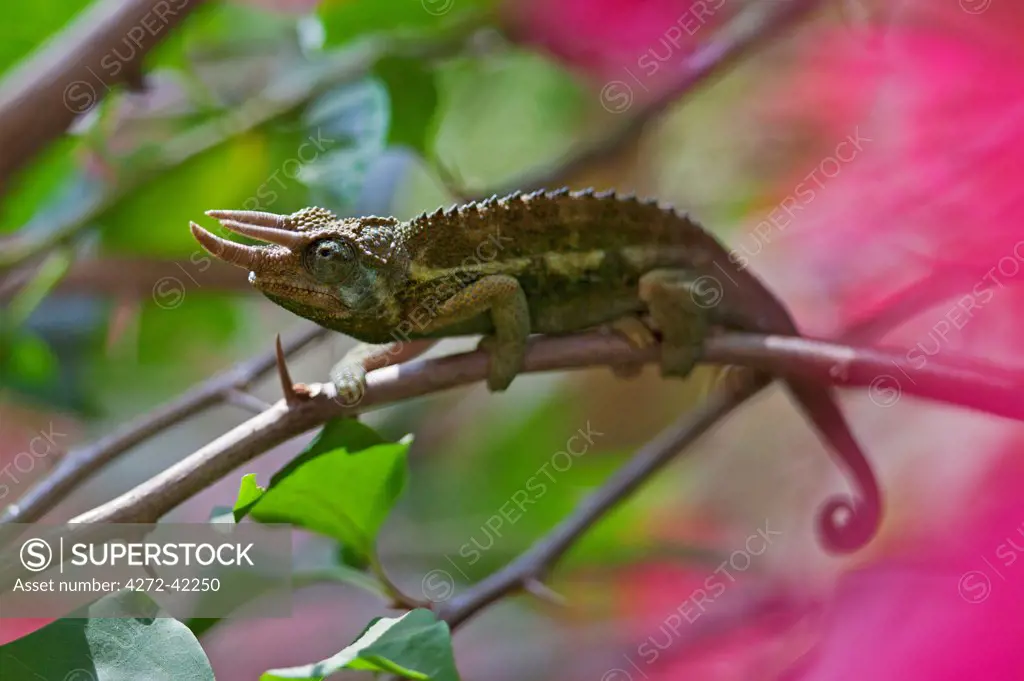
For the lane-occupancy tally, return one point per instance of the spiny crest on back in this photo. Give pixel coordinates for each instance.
(549, 208)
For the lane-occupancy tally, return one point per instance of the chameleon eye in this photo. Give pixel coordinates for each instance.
(330, 261)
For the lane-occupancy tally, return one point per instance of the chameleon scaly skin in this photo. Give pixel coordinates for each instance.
(547, 262)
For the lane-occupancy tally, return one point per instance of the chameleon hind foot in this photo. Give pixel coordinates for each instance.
(682, 322)
(639, 335)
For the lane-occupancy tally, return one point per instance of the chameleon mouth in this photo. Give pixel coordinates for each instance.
(289, 290)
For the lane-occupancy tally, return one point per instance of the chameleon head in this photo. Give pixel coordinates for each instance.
(311, 264)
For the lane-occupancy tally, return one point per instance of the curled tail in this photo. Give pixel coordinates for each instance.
(846, 524)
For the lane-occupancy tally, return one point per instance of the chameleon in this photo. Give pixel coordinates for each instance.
(546, 262)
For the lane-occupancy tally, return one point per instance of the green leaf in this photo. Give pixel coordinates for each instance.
(248, 493)
(413, 646)
(488, 135)
(343, 485)
(346, 20)
(412, 91)
(96, 646)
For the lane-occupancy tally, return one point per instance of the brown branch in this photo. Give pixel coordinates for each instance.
(40, 100)
(534, 564)
(81, 464)
(974, 386)
(136, 277)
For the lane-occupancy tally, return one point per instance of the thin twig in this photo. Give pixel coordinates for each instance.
(974, 386)
(534, 565)
(246, 400)
(41, 99)
(971, 385)
(81, 464)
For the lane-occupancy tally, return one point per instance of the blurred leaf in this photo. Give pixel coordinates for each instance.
(201, 321)
(335, 574)
(413, 646)
(509, 477)
(345, 20)
(222, 514)
(28, 24)
(342, 574)
(153, 219)
(25, 360)
(229, 35)
(241, 23)
(343, 485)
(412, 92)
(504, 113)
(37, 183)
(52, 270)
(351, 558)
(355, 118)
(258, 168)
(93, 645)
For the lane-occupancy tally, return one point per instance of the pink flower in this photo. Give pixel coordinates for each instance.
(935, 193)
(639, 44)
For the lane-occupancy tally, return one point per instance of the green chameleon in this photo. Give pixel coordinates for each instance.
(547, 262)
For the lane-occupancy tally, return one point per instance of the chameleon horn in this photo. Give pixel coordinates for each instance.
(251, 217)
(282, 237)
(228, 251)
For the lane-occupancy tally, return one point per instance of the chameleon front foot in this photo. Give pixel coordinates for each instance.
(506, 360)
(349, 380)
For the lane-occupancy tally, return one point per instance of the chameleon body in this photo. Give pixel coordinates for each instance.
(547, 262)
